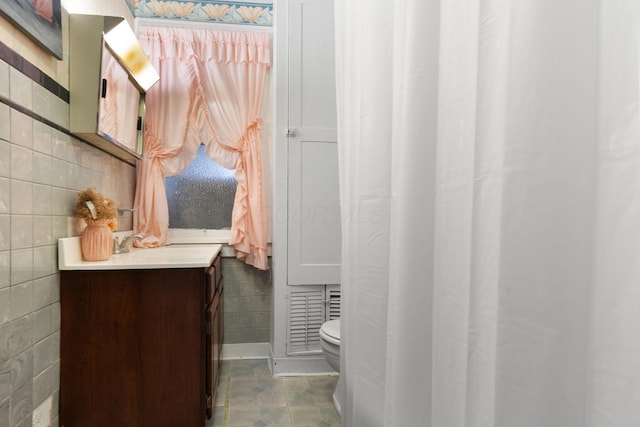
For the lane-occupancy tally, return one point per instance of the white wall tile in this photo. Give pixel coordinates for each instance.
(43, 414)
(74, 151)
(5, 389)
(45, 261)
(21, 306)
(41, 200)
(46, 352)
(21, 231)
(86, 156)
(42, 138)
(43, 290)
(85, 177)
(55, 318)
(20, 335)
(5, 334)
(42, 230)
(42, 168)
(59, 173)
(74, 180)
(22, 406)
(59, 226)
(42, 323)
(21, 266)
(59, 144)
(5, 313)
(60, 110)
(95, 180)
(5, 411)
(21, 197)
(21, 88)
(5, 233)
(5, 196)
(21, 163)
(5, 122)
(46, 383)
(42, 102)
(5, 159)
(58, 201)
(21, 369)
(98, 163)
(21, 129)
(72, 198)
(5, 264)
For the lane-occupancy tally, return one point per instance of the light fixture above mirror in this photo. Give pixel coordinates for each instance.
(125, 47)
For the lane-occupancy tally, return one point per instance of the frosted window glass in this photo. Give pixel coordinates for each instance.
(202, 195)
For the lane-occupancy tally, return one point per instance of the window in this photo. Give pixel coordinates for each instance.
(202, 196)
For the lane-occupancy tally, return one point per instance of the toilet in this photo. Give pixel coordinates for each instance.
(330, 343)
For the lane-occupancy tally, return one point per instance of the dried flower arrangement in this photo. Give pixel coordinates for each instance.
(94, 206)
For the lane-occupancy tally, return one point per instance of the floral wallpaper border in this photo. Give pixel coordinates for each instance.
(220, 11)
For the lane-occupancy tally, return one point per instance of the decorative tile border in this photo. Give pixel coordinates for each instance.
(15, 60)
(220, 11)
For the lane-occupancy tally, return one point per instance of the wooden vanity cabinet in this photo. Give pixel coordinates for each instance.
(140, 347)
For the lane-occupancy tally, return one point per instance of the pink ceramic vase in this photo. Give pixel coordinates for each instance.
(96, 241)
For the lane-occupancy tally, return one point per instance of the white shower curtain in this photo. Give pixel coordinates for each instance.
(490, 185)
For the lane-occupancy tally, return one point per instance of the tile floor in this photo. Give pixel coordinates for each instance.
(257, 399)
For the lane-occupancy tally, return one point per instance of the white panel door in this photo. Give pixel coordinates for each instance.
(313, 188)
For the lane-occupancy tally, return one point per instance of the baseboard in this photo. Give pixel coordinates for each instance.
(282, 365)
(300, 365)
(261, 350)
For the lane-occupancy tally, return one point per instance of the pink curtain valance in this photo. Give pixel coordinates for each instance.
(206, 45)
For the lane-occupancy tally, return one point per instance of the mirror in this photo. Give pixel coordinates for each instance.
(119, 118)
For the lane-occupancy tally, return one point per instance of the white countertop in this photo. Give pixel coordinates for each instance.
(173, 256)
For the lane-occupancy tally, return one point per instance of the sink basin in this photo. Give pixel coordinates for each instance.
(173, 256)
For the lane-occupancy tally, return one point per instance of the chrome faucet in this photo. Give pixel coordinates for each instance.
(125, 246)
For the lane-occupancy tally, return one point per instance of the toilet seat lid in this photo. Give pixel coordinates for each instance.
(331, 329)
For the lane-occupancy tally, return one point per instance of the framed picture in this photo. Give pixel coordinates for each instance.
(39, 19)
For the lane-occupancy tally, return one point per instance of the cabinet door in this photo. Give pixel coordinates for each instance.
(314, 236)
(215, 298)
(219, 319)
(132, 348)
(213, 358)
(210, 368)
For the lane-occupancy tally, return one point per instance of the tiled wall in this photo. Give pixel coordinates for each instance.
(42, 168)
(247, 303)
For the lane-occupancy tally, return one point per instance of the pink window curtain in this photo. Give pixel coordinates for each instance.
(210, 92)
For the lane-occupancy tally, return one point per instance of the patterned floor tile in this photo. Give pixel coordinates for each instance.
(258, 416)
(303, 416)
(257, 399)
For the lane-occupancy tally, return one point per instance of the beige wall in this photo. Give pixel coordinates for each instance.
(42, 169)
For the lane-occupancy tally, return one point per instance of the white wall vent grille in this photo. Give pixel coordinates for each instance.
(306, 315)
(308, 310)
(333, 302)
